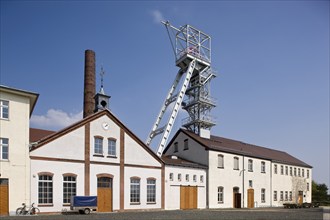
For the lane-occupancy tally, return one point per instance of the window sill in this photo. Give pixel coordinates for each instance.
(250, 170)
(45, 205)
(135, 203)
(4, 160)
(98, 155)
(220, 167)
(66, 204)
(220, 202)
(151, 203)
(236, 169)
(185, 149)
(112, 156)
(263, 172)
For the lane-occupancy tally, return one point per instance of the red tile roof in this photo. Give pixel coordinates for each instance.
(38, 134)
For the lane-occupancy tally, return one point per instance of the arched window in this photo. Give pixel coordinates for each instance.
(45, 188)
(220, 161)
(220, 194)
(250, 165)
(135, 190)
(236, 163)
(69, 187)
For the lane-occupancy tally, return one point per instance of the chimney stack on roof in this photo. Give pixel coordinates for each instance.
(89, 83)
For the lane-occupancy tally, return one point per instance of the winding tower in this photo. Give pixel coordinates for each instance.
(192, 50)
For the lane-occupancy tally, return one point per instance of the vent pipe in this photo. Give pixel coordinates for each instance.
(89, 83)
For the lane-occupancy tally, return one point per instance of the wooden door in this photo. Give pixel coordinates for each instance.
(104, 194)
(188, 197)
(4, 197)
(237, 200)
(300, 197)
(250, 198)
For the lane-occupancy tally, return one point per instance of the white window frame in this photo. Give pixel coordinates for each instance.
(220, 161)
(275, 195)
(236, 163)
(4, 104)
(263, 167)
(98, 145)
(45, 189)
(250, 165)
(70, 184)
(151, 191)
(112, 147)
(220, 194)
(4, 144)
(263, 195)
(135, 191)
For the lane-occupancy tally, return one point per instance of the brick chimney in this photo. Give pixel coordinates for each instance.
(89, 83)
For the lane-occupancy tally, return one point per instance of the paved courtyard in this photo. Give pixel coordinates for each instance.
(211, 214)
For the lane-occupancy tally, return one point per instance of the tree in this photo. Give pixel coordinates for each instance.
(319, 191)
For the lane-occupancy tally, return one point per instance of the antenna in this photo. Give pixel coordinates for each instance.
(192, 51)
(102, 73)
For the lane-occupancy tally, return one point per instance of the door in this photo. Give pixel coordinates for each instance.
(300, 197)
(236, 198)
(104, 194)
(188, 197)
(250, 198)
(4, 197)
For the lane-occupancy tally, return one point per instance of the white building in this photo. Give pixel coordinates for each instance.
(16, 107)
(96, 156)
(244, 175)
(185, 184)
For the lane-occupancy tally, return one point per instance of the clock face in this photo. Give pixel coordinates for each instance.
(105, 125)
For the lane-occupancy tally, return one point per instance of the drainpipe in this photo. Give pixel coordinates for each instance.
(243, 183)
(271, 184)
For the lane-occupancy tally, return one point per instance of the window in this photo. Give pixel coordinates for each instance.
(69, 188)
(201, 178)
(220, 194)
(307, 186)
(194, 178)
(98, 145)
(286, 170)
(250, 165)
(286, 195)
(281, 196)
(250, 184)
(275, 195)
(176, 147)
(187, 177)
(290, 196)
(220, 161)
(290, 171)
(263, 167)
(282, 171)
(4, 109)
(179, 177)
(185, 145)
(236, 163)
(263, 195)
(275, 168)
(171, 176)
(111, 147)
(302, 172)
(135, 190)
(299, 172)
(4, 147)
(307, 173)
(45, 189)
(151, 190)
(295, 171)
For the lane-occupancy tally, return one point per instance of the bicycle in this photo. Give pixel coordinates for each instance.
(30, 211)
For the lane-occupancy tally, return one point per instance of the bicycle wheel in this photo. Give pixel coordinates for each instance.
(36, 211)
(19, 211)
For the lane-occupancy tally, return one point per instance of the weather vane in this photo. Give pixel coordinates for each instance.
(102, 74)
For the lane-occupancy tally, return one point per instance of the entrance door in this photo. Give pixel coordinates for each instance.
(104, 194)
(300, 197)
(4, 197)
(236, 198)
(250, 198)
(188, 197)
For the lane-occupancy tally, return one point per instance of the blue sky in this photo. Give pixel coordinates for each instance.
(272, 59)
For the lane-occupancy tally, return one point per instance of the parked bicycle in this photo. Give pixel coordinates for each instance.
(25, 210)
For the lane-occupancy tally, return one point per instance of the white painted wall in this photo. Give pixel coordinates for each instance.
(17, 167)
(143, 174)
(172, 187)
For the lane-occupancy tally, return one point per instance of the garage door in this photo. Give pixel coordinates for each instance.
(188, 197)
(4, 197)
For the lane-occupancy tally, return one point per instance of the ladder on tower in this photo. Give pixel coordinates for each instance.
(178, 98)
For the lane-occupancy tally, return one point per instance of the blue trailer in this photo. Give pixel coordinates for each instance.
(83, 204)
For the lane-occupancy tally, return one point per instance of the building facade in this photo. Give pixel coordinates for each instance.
(96, 156)
(244, 175)
(16, 107)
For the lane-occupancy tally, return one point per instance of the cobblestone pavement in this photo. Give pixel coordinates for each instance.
(210, 214)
